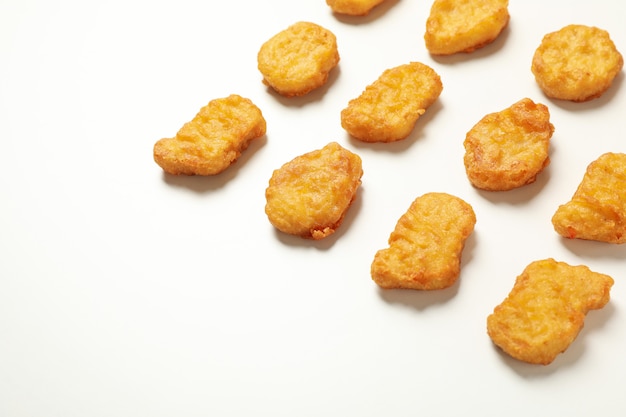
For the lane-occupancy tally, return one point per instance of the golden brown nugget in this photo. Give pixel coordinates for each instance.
(298, 59)
(425, 247)
(310, 195)
(545, 310)
(389, 108)
(508, 149)
(213, 139)
(353, 7)
(576, 63)
(597, 211)
(464, 25)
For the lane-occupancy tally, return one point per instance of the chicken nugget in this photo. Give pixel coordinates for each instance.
(576, 63)
(298, 59)
(213, 139)
(389, 108)
(310, 195)
(353, 7)
(508, 149)
(597, 210)
(545, 310)
(425, 247)
(464, 25)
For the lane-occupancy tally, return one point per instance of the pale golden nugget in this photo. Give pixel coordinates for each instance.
(576, 63)
(213, 139)
(310, 195)
(508, 149)
(545, 310)
(464, 25)
(389, 108)
(425, 247)
(298, 59)
(353, 7)
(597, 211)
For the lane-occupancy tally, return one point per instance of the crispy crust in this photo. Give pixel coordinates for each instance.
(310, 195)
(213, 139)
(508, 149)
(425, 247)
(545, 310)
(597, 211)
(298, 59)
(576, 63)
(353, 7)
(464, 25)
(389, 108)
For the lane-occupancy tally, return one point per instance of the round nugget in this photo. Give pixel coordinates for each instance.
(576, 63)
(298, 59)
(464, 25)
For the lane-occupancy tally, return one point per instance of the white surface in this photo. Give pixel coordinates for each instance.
(125, 292)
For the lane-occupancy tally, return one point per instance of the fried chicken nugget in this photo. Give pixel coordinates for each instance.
(464, 25)
(597, 211)
(310, 195)
(425, 247)
(298, 59)
(213, 139)
(389, 108)
(545, 310)
(353, 7)
(508, 149)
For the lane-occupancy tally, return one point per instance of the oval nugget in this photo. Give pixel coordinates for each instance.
(353, 7)
(464, 25)
(213, 139)
(425, 247)
(389, 108)
(576, 63)
(508, 149)
(310, 195)
(298, 59)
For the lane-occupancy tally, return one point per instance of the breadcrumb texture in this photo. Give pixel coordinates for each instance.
(389, 108)
(545, 310)
(597, 211)
(353, 7)
(508, 149)
(310, 195)
(213, 139)
(425, 247)
(576, 63)
(298, 59)
(464, 25)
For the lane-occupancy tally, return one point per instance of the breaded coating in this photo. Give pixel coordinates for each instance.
(576, 63)
(353, 7)
(310, 195)
(545, 310)
(389, 108)
(597, 211)
(508, 149)
(298, 59)
(425, 247)
(464, 25)
(213, 139)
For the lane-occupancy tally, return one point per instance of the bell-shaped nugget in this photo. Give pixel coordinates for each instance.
(508, 149)
(353, 7)
(545, 310)
(425, 247)
(389, 108)
(298, 59)
(310, 195)
(213, 139)
(597, 210)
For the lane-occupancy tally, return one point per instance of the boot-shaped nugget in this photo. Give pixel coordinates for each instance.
(213, 139)
(425, 247)
(597, 211)
(545, 310)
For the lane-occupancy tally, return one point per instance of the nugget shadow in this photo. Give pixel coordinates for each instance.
(594, 250)
(313, 96)
(377, 12)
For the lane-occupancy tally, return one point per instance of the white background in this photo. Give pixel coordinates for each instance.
(127, 292)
